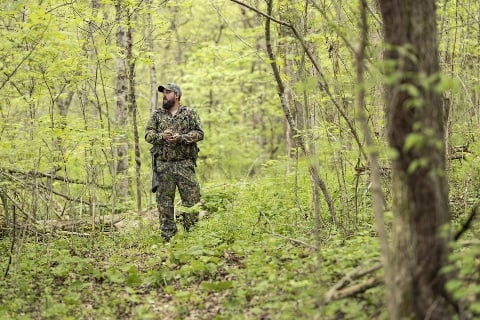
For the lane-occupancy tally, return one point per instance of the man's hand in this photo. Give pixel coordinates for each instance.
(170, 136)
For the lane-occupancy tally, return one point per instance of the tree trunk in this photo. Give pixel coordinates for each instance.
(420, 188)
(153, 68)
(132, 101)
(121, 111)
(300, 141)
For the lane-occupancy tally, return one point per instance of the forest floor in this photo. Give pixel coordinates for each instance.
(255, 255)
(226, 268)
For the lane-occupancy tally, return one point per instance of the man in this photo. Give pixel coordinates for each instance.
(174, 131)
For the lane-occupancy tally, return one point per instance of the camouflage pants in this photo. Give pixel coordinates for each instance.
(172, 175)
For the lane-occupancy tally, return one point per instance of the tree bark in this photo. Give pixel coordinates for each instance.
(420, 189)
(121, 111)
(132, 101)
(153, 67)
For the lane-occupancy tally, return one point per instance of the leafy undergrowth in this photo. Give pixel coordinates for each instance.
(255, 256)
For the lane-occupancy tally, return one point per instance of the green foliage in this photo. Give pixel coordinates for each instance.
(254, 255)
(464, 287)
(238, 262)
(258, 253)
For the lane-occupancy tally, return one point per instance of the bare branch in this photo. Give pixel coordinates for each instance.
(36, 174)
(323, 84)
(60, 6)
(11, 74)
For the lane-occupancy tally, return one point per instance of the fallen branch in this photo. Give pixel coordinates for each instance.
(36, 174)
(78, 199)
(25, 184)
(336, 293)
(72, 233)
(356, 289)
(457, 157)
(83, 223)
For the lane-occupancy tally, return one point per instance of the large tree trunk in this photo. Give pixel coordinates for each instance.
(420, 188)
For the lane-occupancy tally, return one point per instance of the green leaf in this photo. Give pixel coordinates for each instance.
(114, 275)
(414, 141)
(72, 298)
(416, 164)
(446, 83)
(475, 307)
(411, 89)
(453, 285)
(217, 286)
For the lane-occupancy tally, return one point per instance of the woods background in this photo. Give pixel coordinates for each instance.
(295, 88)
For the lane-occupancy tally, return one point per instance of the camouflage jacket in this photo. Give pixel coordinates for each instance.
(186, 122)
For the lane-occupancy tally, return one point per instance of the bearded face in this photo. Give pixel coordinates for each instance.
(168, 101)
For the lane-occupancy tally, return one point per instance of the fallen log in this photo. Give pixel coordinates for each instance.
(81, 223)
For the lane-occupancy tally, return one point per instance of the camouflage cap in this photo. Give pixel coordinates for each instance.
(171, 86)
